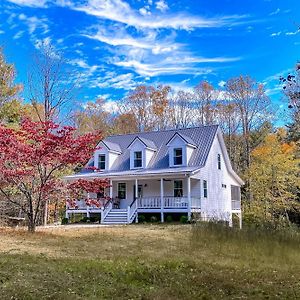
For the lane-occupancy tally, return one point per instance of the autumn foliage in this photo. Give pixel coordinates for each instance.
(34, 157)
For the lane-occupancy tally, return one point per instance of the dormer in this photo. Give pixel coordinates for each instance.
(141, 152)
(106, 155)
(181, 148)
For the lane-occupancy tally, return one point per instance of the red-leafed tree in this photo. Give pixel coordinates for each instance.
(32, 160)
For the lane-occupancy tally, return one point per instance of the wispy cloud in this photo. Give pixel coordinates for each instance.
(275, 33)
(30, 3)
(120, 11)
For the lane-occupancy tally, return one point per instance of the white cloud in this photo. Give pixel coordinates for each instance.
(156, 69)
(161, 5)
(120, 11)
(125, 81)
(18, 35)
(30, 3)
(144, 11)
(275, 33)
(292, 32)
(111, 106)
(222, 83)
(35, 23)
(277, 11)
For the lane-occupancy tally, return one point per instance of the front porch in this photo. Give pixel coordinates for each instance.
(125, 199)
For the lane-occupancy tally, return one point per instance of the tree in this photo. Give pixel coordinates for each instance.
(32, 159)
(205, 94)
(253, 106)
(124, 123)
(8, 90)
(49, 83)
(274, 179)
(182, 114)
(227, 116)
(93, 118)
(291, 89)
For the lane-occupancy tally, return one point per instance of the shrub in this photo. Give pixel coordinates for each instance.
(94, 219)
(169, 219)
(153, 219)
(85, 220)
(184, 219)
(142, 219)
(64, 221)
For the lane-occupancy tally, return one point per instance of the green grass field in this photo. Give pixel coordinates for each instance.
(149, 262)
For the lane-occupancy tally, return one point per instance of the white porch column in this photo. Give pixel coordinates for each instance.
(162, 199)
(110, 189)
(136, 189)
(189, 197)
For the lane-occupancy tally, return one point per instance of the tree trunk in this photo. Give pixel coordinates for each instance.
(31, 225)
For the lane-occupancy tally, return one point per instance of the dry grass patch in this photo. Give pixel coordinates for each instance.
(148, 262)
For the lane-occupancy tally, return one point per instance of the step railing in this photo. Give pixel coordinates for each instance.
(132, 211)
(106, 209)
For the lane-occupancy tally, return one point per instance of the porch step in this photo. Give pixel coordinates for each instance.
(116, 216)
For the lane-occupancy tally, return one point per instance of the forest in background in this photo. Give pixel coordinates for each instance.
(264, 155)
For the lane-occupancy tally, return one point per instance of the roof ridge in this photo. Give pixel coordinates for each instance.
(165, 130)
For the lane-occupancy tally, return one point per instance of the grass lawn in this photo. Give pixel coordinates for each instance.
(149, 262)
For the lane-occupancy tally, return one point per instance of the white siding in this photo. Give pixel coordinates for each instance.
(218, 201)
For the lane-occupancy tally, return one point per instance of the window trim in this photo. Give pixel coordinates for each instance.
(219, 162)
(178, 188)
(175, 157)
(137, 159)
(101, 161)
(205, 189)
(122, 190)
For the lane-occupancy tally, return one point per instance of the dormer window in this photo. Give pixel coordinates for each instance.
(138, 159)
(181, 148)
(101, 162)
(141, 152)
(177, 156)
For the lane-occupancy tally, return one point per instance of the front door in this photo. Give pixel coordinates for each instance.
(140, 191)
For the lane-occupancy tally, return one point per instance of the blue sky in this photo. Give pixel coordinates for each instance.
(113, 45)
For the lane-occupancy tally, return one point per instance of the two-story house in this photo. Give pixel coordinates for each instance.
(172, 171)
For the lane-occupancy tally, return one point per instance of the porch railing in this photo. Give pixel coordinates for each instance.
(235, 204)
(168, 202)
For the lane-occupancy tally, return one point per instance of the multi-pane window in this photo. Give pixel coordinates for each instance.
(101, 162)
(122, 190)
(178, 189)
(138, 159)
(235, 192)
(177, 156)
(204, 189)
(219, 161)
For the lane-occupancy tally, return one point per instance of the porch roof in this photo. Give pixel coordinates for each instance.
(136, 173)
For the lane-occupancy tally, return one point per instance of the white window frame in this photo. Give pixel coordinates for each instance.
(135, 159)
(101, 162)
(175, 157)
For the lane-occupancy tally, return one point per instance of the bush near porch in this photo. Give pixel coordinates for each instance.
(149, 262)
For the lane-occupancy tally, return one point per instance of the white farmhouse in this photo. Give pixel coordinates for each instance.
(164, 172)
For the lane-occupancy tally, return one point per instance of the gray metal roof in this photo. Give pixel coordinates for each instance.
(202, 137)
(184, 137)
(111, 146)
(146, 142)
